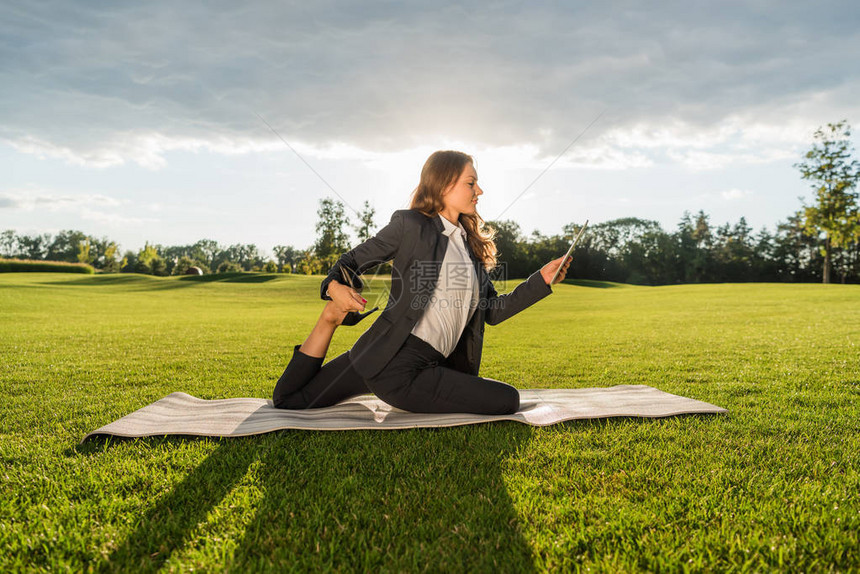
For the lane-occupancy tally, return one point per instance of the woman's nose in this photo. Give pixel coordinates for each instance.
(478, 187)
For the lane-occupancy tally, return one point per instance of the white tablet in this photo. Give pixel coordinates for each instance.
(569, 251)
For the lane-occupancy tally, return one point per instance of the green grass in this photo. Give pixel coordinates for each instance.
(772, 485)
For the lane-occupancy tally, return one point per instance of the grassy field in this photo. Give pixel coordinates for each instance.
(772, 485)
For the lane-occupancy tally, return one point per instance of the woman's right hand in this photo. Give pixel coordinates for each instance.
(345, 297)
(548, 270)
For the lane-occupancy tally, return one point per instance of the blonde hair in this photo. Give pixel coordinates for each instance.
(440, 170)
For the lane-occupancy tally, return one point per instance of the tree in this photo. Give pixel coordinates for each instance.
(764, 249)
(245, 256)
(694, 242)
(205, 251)
(331, 239)
(251, 259)
(65, 246)
(33, 246)
(735, 251)
(182, 265)
(229, 267)
(365, 222)
(8, 243)
(847, 261)
(84, 247)
(287, 255)
(615, 236)
(149, 261)
(615, 249)
(309, 264)
(834, 178)
(129, 262)
(651, 258)
(510, 250)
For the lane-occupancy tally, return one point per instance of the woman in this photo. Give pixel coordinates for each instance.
(423, 352)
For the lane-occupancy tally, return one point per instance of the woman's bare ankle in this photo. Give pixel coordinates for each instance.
(330, 314)
(316, 345)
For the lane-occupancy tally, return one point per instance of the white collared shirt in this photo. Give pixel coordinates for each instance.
(455, 297)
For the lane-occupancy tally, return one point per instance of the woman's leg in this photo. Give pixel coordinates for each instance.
(414, 381)
(444, 390)
(306, 382)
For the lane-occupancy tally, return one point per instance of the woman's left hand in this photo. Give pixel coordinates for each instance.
(548, 270)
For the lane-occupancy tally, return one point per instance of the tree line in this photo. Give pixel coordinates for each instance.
(818, 240)
(73, 246)
(639, 251)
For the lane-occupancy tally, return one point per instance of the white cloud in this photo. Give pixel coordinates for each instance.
(34, 198)
(87, 206)
(707, 86)
(144, 149)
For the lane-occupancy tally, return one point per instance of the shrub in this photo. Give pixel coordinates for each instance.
(229, 267)
(310, 264)
(185, 262)
(128, 263)
(26, 265)
(150, 262)
(270, 267)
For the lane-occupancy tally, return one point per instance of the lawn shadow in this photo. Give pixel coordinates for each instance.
(166, 527)
(428, 499)
(93, 445)
(230, 278)
(140, 282)
(107, 280)
(593, 284)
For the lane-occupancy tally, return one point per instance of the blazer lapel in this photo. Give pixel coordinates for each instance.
(433, 267)
(441, 241)
(425, 264)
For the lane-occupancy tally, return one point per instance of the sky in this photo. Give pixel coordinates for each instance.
(169, 122)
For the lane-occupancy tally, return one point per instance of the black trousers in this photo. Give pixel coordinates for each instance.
(413, 380)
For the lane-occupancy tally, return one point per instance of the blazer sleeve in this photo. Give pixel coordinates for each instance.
(376, 250)
(502, 307)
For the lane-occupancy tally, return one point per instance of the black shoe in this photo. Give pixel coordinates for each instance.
(352, 279)
(354, 317)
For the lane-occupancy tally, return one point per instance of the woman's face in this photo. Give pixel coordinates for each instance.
(462, 195)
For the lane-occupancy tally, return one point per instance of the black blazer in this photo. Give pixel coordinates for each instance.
(418, 246)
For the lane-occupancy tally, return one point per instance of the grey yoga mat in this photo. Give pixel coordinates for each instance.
(182, 414)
